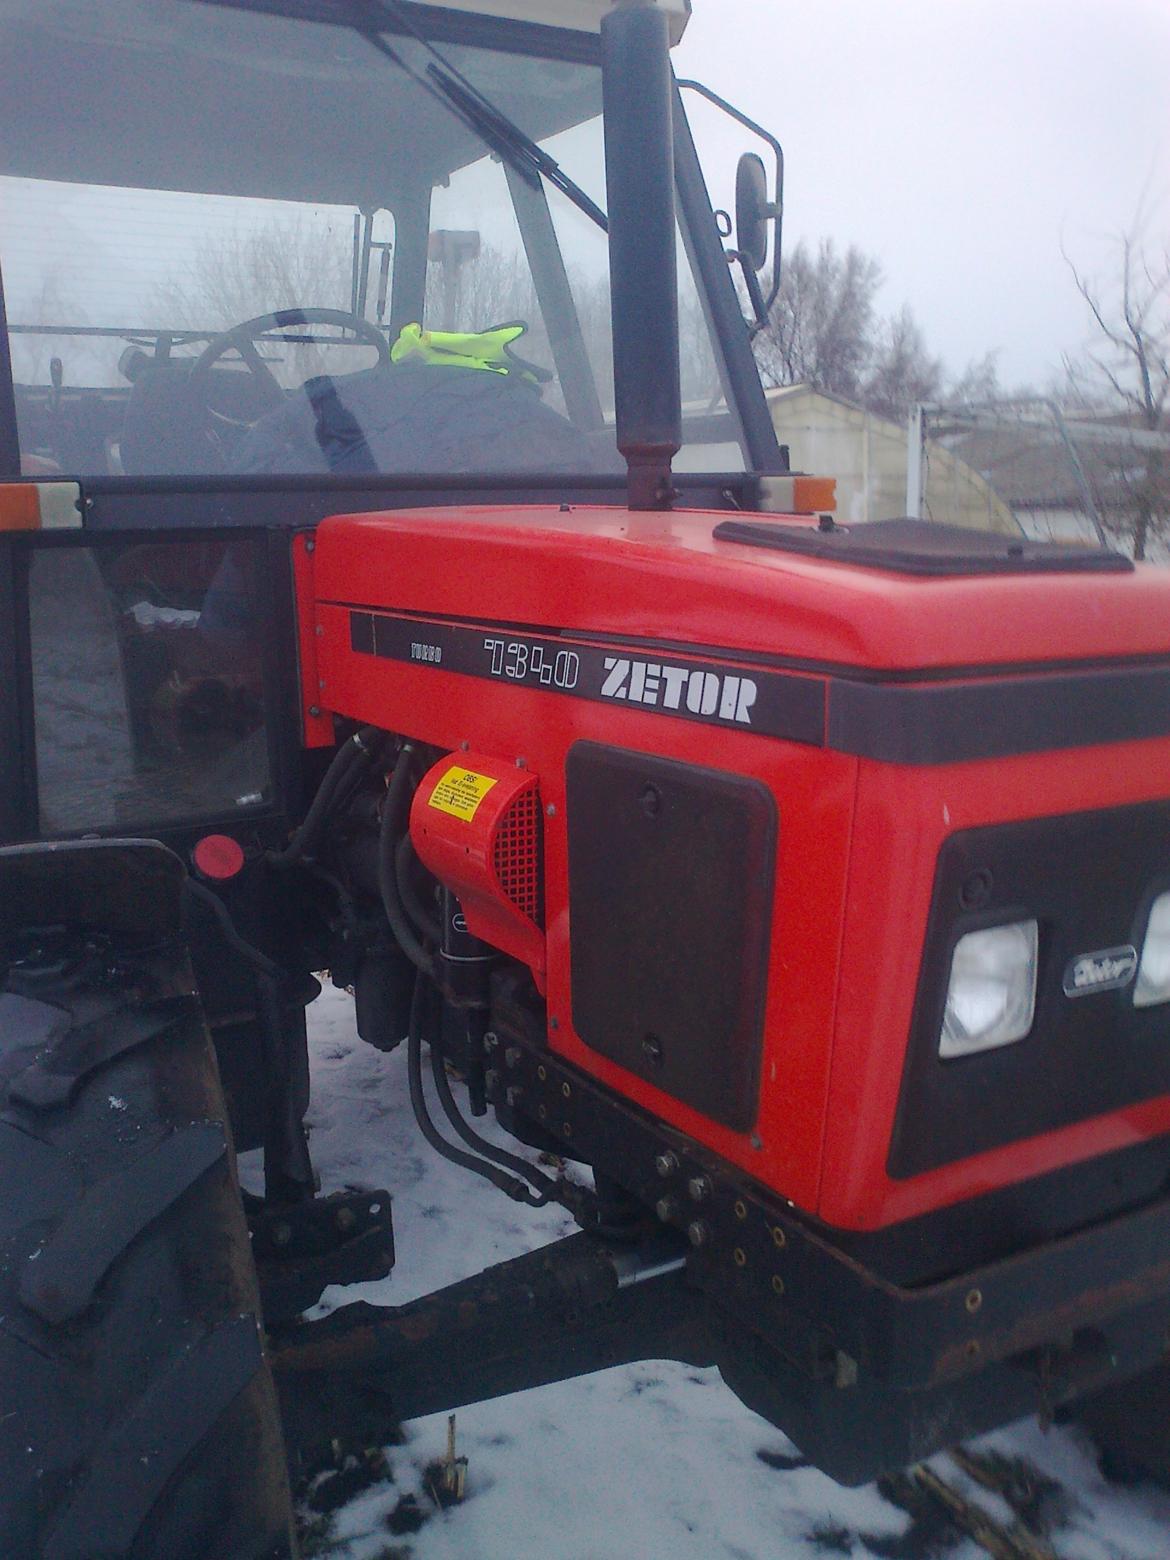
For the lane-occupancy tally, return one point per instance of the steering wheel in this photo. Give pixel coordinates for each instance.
(242, 338)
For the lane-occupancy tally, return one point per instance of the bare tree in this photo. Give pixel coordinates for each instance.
(979, 381)
(822, 323)
(237, 276)
(901, 371)
(825, 331)
(1124, 374)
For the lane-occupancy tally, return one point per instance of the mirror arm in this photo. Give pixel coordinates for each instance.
(762, 306)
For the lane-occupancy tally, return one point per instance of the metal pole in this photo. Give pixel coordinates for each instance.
(639, 169)
(915, 435)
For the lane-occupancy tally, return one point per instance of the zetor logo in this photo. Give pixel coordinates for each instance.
(1106, 970)
(723, 695)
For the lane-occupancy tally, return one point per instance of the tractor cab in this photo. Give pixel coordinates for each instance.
(221, 244)
(264, 263)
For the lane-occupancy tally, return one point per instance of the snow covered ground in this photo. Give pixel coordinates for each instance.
(643, 1462)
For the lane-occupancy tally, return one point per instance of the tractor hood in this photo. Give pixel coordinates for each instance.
(890, 599)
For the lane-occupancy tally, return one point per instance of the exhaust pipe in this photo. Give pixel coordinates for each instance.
(639, 171)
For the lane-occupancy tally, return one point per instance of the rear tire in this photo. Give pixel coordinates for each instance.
(139, 1416)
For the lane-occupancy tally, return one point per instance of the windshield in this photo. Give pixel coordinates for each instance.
(244, 243)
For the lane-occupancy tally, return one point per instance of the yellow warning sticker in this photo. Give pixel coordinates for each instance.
(460, 792)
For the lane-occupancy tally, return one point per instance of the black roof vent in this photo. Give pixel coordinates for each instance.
(925, 547)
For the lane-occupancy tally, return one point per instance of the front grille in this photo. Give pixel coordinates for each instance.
(517, 856)
(1088, 880)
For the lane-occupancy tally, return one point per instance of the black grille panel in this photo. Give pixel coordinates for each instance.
(670, 902)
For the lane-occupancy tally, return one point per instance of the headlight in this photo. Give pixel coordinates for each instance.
(992, 992)
(1153, 976)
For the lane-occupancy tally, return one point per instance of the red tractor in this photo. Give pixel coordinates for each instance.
(444, 627)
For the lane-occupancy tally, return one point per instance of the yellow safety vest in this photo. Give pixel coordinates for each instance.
(482, 349)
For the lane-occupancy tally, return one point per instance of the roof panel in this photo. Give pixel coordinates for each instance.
(578, 15)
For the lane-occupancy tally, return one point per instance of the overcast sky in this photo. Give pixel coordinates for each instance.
(959, 141)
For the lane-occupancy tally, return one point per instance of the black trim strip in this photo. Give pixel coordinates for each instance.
(894, 723)
(776, 705)
(958, 672)
(998, 717)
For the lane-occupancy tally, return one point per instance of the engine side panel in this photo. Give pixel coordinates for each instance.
(810, 786)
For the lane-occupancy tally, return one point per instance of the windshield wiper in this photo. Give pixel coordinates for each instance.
(482, 116)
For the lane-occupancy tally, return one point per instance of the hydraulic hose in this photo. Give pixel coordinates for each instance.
(510, 1185)
(393, 825)
(546, 1186)
(260, 962)
(354, 755)
(426, 923)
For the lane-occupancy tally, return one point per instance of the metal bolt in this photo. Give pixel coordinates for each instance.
(756, 1140)
(666, 1208)
(740, 1209)
(513, 1056)
(310, 544)
(346, 1218)
(281, 1234)
(465, 746)
(554, 1023)
(974, 1300)
(566, 1090)
(666, 1164)
(698, 1232)
(490, 1040)
(739, 1257)
(542, 1073)
(699, 1188)
(513, 1095)
(779, 1236)
(320, 630)
(551, 810)
(521, 763)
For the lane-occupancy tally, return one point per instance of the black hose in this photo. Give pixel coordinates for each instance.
(393, 825)
(547, 1187)
(259, 961)
(404, 858)
(357, 753)
(288, 1172)
(506, 1183)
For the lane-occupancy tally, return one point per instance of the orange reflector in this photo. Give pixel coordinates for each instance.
(36, 506)
(218, 856)
(20, 507)
(812, 495)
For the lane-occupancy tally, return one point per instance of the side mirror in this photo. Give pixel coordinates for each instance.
(753, 211)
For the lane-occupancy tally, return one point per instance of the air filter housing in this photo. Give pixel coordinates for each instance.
(476, 823)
